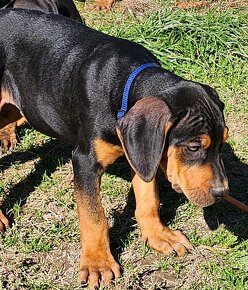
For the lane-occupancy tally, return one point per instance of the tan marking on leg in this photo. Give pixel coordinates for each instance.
(8, 111)
(4, 223)
(158, 236)
(96, 262)
(9, 114)
(107, 153)
(91, 221)
(8, 137)
(21, 122)
(5, 98)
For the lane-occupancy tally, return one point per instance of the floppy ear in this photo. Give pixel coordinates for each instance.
(142, 132)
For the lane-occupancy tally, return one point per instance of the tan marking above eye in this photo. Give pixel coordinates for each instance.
(225, 134)
(107, 153)
(181, 173)
(205, 141)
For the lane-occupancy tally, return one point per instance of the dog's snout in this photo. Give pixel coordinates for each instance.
(218, 193)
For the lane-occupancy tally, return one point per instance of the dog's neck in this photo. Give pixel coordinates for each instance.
(152, 82)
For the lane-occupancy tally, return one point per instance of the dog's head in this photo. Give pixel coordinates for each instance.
(183, 131)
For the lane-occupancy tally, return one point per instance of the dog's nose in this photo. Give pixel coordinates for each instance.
(218, 193)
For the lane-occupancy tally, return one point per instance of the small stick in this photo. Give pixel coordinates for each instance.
(235, 202)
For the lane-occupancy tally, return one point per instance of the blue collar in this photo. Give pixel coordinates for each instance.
(128, 85)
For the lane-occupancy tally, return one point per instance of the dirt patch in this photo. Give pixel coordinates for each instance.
(211, 4)
(139, 6)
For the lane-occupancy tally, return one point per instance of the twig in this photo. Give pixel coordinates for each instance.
(235, 202)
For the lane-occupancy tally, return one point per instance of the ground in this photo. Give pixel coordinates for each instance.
(200, 40)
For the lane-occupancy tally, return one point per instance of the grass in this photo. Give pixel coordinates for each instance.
(41, 250)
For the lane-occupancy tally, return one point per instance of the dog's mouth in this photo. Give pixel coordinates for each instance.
(177, 188)
(198, 196)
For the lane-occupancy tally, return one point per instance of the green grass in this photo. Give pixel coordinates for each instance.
(41, 250)
(201, 46)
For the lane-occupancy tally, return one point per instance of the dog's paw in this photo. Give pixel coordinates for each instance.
(166, 241)
(4, 223)
(94, 270)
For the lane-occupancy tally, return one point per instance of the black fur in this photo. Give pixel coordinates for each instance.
(64, 7)
(69, 79)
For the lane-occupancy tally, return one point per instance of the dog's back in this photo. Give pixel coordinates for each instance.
(67, 55)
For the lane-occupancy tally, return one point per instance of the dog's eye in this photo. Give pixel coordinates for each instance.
(193, 148)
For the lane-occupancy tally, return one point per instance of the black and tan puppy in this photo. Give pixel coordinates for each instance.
(64, 7)
(69, 81)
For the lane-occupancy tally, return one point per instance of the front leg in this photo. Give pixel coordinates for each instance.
(158, 236)
(96, 262)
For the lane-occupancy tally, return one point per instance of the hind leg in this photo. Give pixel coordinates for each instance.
(9, 113)
(4, 223)
(8, 138)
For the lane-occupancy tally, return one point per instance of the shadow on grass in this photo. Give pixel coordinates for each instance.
(51, 154)
(222, 213)
(124, 222)
(55, 153)
(233, 218)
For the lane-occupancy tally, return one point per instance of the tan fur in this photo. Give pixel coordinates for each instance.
(107, 153)
(21, 122)
(225, 135)
(158, 236)
(96, 259)
(103, 4)
(205, 141)
(8, 137)
(4, 223)
(195, 181)
(8, 111)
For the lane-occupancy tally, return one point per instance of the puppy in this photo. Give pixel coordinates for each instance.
(109, 97)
